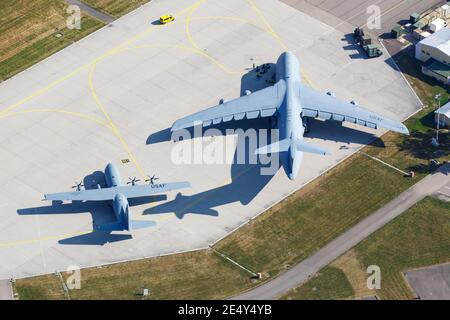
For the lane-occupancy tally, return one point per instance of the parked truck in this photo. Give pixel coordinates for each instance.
(365, 42)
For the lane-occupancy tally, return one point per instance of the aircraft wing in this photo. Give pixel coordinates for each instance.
(262, 103)
(324, 106)
(109, 193)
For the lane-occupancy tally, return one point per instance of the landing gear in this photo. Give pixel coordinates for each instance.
(273, 122)
(305, 121)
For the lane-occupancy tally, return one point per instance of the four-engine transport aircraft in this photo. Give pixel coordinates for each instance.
(291, 103)
(118, 195)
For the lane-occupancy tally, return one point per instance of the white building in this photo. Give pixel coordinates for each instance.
(436, 46)
(443, 114)
(435, 52)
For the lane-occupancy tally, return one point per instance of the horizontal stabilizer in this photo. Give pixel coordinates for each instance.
(279, 146)
(141, 224)
(113, 226)
(303, 146)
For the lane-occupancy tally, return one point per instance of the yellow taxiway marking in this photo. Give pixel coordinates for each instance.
(8, 244)
(190, 49)
(113, 126)
(238, 19)
(6, 110)
(53, 84)
(272, 32)
(66, 112)
(196, 47)
(40, 239)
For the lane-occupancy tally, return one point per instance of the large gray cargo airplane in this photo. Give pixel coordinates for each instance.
(118, 195)
(292, 103)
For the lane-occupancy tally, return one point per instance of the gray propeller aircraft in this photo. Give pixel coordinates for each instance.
(292, 103)
(118, 195)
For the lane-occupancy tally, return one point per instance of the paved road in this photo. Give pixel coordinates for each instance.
(432, 283)
(91, 11)
(5, 290)
(305, 269)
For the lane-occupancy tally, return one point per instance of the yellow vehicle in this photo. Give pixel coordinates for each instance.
(166, 18)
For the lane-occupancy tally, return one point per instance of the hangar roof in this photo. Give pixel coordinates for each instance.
(439, 40)
(444, 110)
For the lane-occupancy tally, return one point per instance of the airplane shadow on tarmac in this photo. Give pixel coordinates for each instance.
(246, 183)
(101, 213)
(246, 179)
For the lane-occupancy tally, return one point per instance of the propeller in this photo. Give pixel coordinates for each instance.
(78, 185)
(152, 179)
(133, 181)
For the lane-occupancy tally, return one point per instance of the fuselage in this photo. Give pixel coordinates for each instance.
(120, 203)
(290, 124)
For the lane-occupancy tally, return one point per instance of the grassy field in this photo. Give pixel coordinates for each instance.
(419, 237)
(329, 284)
(185, 276)
(28, 32)
(115, 8)
(47, 288)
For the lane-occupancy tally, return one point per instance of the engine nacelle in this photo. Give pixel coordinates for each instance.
(222, 101)
(355, 103)
(331, 94)
(247, 92)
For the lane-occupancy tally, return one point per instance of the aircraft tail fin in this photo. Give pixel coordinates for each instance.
(303, 146)
(275, 147)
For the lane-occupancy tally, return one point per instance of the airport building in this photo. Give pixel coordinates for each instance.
(434, 51)
(443, 116)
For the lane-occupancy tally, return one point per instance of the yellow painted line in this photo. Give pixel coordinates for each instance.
(53, 84)
(190, 49)
(197, 48)
(188, 23)
(66, 112)
(114, 128)
(267, 24)
(38, 240)
(238, 19)
(272, 32)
